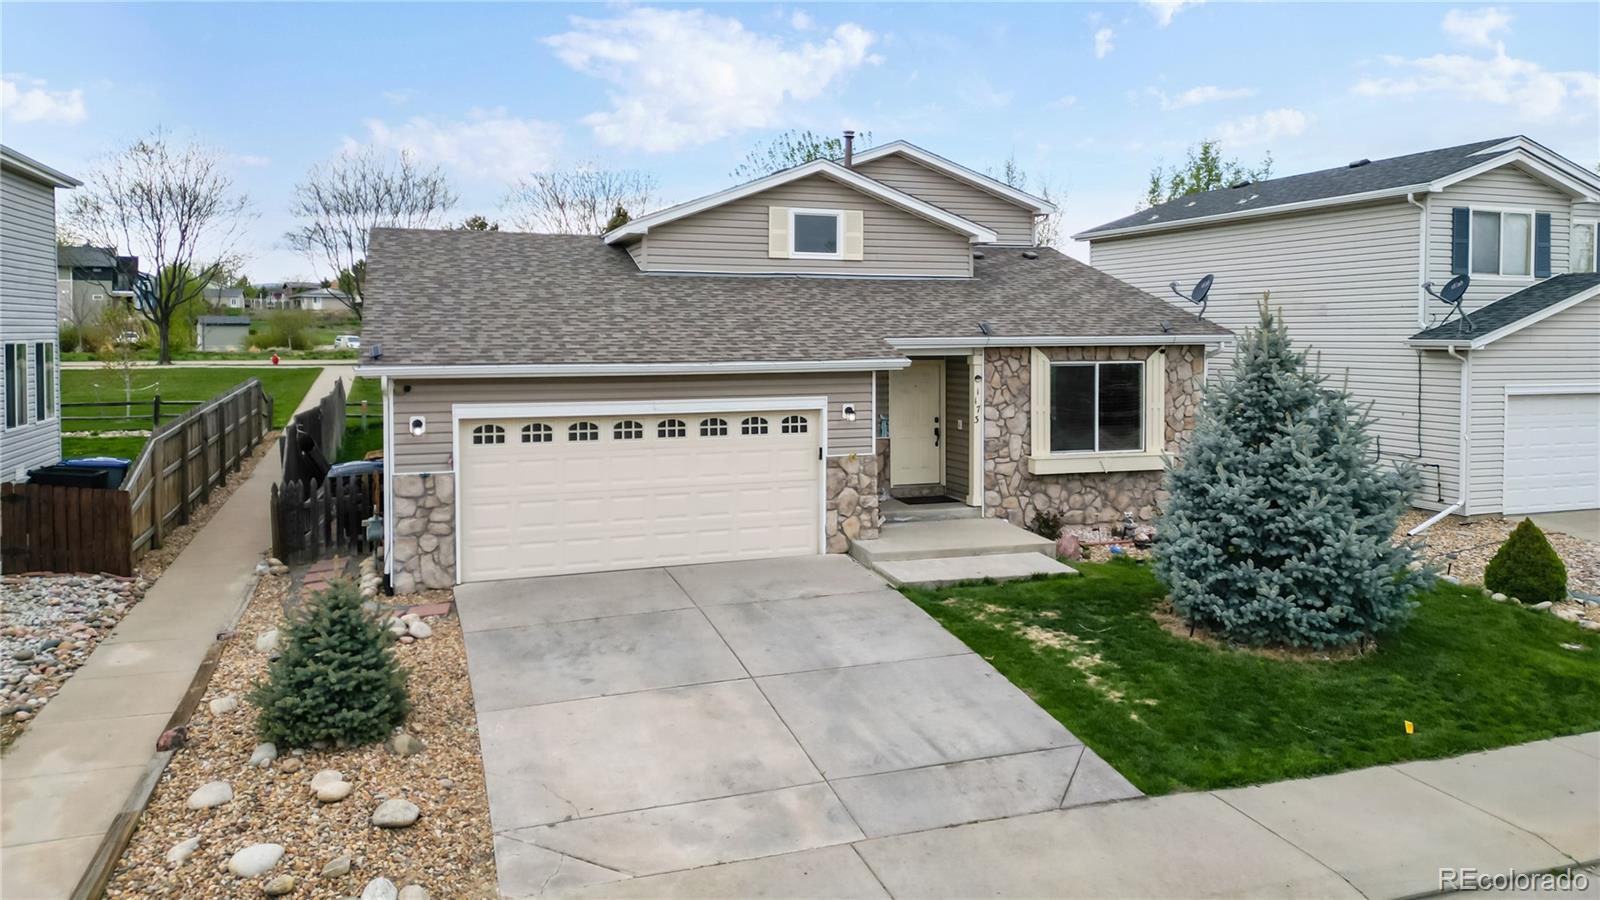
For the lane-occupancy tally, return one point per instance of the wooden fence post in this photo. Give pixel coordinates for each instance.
(155, 411)
(158, 481)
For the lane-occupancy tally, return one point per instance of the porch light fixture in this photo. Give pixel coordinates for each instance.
(418, 425)
(849, 412)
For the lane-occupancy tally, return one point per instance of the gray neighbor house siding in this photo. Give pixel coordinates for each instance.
(28, 314)
(1346, 282)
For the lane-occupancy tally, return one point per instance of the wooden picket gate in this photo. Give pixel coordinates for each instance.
(311, 520)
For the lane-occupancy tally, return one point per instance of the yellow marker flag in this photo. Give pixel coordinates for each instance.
(1410, 728)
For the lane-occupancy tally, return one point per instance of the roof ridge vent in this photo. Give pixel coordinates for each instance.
(1360, 162)
(1030, 254)
(1239, 184)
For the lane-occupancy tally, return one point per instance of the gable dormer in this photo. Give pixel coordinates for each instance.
(1011, 213)
(816, 219)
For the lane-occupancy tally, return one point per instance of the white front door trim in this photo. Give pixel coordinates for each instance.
(469, 411)
(912, 434)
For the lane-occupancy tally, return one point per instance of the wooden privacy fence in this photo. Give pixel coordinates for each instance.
(311, 520)
(312, 440)
(68, 529)
(48, 528)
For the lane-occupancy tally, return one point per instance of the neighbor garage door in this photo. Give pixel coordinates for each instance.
(1552, 452)
(546, 496)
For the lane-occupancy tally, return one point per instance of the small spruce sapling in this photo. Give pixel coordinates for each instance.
(337, 679)
(1526, 567)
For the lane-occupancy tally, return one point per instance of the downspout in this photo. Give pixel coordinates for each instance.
(1422, 302)
(1464, 432)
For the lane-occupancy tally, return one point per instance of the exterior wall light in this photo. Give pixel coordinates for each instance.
(849, 412)
(418, 425)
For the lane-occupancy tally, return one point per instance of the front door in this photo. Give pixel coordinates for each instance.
(915, 432)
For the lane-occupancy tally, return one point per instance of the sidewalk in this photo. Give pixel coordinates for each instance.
(1380, 832)
(67, 777)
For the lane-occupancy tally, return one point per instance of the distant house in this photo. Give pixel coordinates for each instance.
(224, 297)
(29, 390)
(281, 294)
(87, 277)
(220, 333)
(322, 300)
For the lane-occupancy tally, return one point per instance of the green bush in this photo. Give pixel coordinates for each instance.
(1526, 567)
(337, 679)
(289, 329)
(1047, 524)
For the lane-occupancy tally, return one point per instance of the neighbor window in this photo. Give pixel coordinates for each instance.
(627, 430)
(671, 428)
(537, 433)
(583, 431)
(1096, 407)
(713, 427)
(795, 425)
(488, 434)
(816, 233)
(1583, 247)
(753, 425)
(1502, 243)
(16, 385)
(44, 381)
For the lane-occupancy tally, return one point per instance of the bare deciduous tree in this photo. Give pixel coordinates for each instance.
(1047, 229)
(794, 148)
(579, 200)
(176, 209)
(342, 200)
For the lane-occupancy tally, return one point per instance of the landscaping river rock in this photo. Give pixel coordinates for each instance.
(255, 859)
(395, 814)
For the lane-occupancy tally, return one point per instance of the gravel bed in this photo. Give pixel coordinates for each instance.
(49, 624)
(449, 850)
(1474, 542)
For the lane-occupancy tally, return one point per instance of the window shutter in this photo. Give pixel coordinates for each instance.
(853, 234)
(1155, 402)
(1039, 404)
(1541, 245)
(1460, 231)
(778, 232)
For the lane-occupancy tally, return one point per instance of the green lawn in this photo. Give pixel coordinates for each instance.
(125, 447)
(286, 385)
(358, 441)
(1173, 714)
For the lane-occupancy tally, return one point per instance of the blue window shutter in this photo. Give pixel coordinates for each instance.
(1541, 245)
(1460, 229)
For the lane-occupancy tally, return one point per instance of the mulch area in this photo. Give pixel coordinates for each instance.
(449, 851)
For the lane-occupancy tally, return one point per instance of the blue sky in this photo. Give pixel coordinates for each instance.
(1087, 97)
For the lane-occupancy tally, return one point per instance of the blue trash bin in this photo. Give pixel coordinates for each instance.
(115, 466)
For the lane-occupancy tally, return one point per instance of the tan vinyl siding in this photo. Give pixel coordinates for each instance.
(957, 439)
(28, 311)
(1505, 188)
(433, 399)
(1558, 350)
(638, 252)
(732, 238)
(1346, 282)
(1012, 223)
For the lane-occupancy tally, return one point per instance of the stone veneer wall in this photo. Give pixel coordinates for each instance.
(852, 500)
(1090, 499)
(424, 548)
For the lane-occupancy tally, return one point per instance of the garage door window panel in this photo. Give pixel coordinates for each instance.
(795, 425)
(753, 425)
(713, 427)
(488, 434)
(537, 433)
(627, 430)
(583, 431)
(671, 428)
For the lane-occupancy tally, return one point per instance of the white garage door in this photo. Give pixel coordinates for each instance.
(546, 496)
(1552, 452)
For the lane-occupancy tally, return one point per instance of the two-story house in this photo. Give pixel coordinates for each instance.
(1500, 409)
(88, 278)
(743, 375)
(30, 396)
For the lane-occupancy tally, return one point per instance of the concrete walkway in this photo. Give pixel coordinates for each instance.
(67, 777)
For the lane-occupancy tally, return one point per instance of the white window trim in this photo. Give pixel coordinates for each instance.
(1594, 225)
(1096, 364)
(24, 407)
(838, 233)
(1152, 422)
(47, 355)
(1500, 260)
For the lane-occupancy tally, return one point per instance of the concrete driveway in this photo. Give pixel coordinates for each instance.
(643, 722)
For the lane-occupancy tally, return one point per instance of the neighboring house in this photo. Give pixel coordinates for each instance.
(321, 300)
(280, 294)
(29, 389)
(742, 375)
(87, 277)
(1500, 417)
(221, 296)
(219, 333)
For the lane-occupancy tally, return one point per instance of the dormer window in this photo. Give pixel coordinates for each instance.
(816, 233)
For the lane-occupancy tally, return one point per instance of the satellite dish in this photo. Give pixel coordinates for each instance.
(1451, 295)
(1202, 289)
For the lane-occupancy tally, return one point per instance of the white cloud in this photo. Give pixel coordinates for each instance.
(34, 102)
(1205, 93)
(1524, 88)
(398, 97)
(488, 144)
(1165, 10)
(1272, 125)
(1103, 44)
(1476, 28)
(799, 20)
(685, 77)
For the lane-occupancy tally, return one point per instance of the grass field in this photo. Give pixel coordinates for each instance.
(1175, 714)
(357, 441)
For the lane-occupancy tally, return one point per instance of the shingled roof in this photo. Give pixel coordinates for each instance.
(1377, 175)
(449, 298)
(1508, 311)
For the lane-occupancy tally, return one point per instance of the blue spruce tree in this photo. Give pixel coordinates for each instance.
(1278, 527)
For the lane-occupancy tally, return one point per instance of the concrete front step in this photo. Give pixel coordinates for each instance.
(933, 573)
(897, 511)
(950, 538)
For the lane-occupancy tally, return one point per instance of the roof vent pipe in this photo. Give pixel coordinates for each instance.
(849, 148)
(1359, 163)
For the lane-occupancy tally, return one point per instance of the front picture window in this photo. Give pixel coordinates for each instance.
(815, 233)
(1096, 407)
